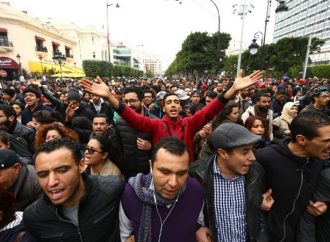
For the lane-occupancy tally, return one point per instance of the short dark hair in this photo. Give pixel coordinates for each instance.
(307, 124)
(81, 122)
(136, 90)
(150, 91)
(196, 107)
(33, 90)
(211, 94)
(222, 115)
(104, 142)
(102, 115)
(4, 137)
(170, 94)
(8, 110)
(60, 144)
(171, 144)
(261, 94)
(44, 117)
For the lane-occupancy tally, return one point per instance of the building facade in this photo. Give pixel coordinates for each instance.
(28, 45)
(152, 65)
(306, 18)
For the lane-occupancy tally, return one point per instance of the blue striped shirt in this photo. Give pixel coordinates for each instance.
(230, 207)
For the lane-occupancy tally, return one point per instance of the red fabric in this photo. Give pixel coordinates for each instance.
(183, 128)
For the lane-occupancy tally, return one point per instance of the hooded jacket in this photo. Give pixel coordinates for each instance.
(292, 180)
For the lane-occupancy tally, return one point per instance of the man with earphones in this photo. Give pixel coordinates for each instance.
(166, 204)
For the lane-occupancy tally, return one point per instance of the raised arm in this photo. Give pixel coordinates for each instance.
(99, 89)
(243, 82)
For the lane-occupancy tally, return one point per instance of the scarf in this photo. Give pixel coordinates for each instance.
(141, 185)
(285, 112)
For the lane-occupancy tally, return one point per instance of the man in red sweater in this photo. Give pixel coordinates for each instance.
(172, 124)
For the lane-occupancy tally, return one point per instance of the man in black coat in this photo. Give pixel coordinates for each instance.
(74, 207)
(292, 168)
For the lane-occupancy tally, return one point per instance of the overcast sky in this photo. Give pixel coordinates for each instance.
(157, 27)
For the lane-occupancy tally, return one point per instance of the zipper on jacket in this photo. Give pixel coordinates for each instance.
(68, 221)
(295, 200)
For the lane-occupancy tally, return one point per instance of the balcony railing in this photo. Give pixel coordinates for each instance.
(69, 56)
(41, 49)
(6, 43)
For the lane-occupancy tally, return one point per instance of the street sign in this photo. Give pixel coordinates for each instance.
(3, 73)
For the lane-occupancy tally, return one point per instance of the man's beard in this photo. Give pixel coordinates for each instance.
(264, 109)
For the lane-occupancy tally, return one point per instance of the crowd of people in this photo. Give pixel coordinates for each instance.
(165, 160)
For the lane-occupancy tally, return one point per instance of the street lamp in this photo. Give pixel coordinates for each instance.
(241, 10)
(218, 46)
(108, 37)
(59, 59)
(18, 57)
(280, 8)
(42, 69)
(253, 47)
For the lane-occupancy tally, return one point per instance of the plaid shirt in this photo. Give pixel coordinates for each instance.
(230, 208)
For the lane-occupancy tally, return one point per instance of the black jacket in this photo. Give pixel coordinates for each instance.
(292, 180)
(26, 188)
(134, 160)
(84, 109)
(23, 134)
(254, 188)
(98, 215)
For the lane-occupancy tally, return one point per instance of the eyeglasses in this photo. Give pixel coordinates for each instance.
(131, 101)
(91, 150)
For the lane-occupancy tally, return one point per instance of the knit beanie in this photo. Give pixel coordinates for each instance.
(73, 95)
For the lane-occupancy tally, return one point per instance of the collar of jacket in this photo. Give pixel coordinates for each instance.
(167, 119)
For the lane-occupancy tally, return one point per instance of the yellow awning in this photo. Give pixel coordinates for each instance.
(67, 71)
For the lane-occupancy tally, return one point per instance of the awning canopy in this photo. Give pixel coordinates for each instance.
(39, 38)
(3, 30)
(55, 43)
(67, 71)
(7, 63)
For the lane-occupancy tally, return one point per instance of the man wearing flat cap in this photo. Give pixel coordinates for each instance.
(234, 185)
(19, 179)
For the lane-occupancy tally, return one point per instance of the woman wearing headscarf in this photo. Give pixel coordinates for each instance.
(281, 125)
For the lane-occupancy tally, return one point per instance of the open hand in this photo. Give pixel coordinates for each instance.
(98, 88)
(244, 82)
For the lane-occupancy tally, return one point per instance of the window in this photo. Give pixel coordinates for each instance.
(4, 38)
(67, 52)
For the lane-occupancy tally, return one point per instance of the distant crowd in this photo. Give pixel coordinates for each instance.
(164, 159)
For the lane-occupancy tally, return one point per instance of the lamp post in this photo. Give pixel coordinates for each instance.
(253, 47)
(42, 69)
(59, 59)
(280, 8)
(108, 37)
(218, 45)
(18, 57)
(241, 10)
